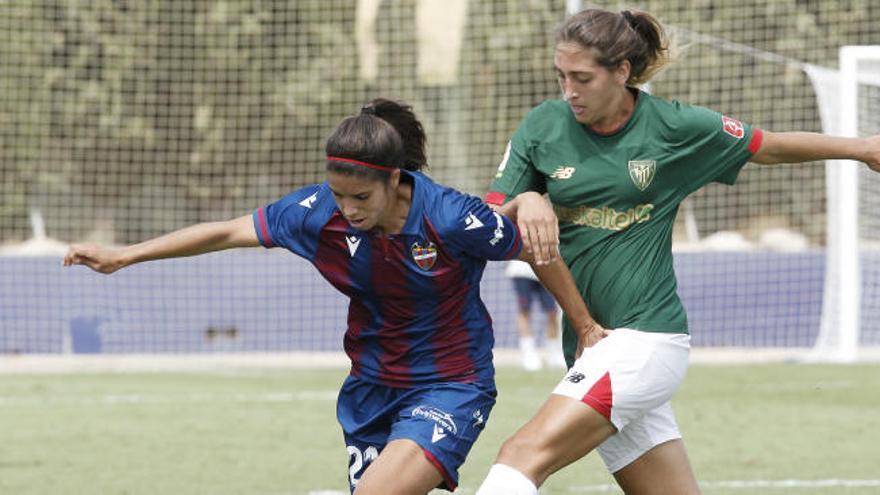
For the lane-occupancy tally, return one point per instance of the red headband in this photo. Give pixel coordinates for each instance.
(358, 162)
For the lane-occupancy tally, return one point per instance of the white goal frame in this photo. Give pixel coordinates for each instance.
(838, 339)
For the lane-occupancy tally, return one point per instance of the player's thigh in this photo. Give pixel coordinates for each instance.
(662, 470)
(445, 420)
(561, 432)
(401, 469)
(628, 373)
(364, 411)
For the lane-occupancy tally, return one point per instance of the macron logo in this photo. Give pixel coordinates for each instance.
(309, 201)
(438, 435)
(472, 222)
(353, 242)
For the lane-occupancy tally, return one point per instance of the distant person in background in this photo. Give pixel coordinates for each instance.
(528, 289)
(616, 163)
(409, 253)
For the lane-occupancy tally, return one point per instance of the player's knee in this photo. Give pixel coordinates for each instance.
(522, 452)
(515, 445)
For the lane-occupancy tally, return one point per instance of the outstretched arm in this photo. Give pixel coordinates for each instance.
(796, 147)
(189, 241)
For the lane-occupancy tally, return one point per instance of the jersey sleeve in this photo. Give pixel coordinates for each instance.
(516, 172)
(723, 145)
(474, 229)
(284, 223)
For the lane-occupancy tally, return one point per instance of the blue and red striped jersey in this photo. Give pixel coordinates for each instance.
(415, 315)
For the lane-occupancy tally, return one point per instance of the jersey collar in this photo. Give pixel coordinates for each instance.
(414, 217)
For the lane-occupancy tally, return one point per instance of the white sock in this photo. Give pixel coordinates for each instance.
(553, 345)
(505, 480)
(553, 353)
(527, 344)
(531, 359)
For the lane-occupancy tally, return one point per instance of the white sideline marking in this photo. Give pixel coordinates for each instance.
(260, 362)
(751, 484)
(114, 399)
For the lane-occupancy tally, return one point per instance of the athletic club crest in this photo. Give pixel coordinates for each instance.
(424, 255)
(642, 172)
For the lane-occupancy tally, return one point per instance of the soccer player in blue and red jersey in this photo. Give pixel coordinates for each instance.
(409, 253)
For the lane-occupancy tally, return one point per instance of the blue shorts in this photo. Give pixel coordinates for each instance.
(527, 290)
(444, 419)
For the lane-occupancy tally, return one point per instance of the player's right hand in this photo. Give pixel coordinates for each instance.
(98, 258)
(538, 227)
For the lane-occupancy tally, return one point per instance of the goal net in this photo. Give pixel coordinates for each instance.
(123, 119)
(850, 100)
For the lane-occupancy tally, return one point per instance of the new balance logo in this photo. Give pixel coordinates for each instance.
(353, 242)
(562, 173)
(438, 435)
(575, 377)
(472, 222)
(308, 201)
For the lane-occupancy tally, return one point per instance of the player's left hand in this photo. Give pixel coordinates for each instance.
(590, 336)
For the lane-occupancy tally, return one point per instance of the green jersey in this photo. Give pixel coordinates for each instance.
(616, 197)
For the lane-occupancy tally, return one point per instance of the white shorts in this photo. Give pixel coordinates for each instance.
(629, 377)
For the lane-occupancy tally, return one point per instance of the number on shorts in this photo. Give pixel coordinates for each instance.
(358, 460)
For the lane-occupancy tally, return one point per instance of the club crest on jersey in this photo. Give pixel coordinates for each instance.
(642, 172)
(733, 127)
(424, 255)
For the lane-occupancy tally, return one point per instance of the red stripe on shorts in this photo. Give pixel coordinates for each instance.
(599, 396)
(447, 480)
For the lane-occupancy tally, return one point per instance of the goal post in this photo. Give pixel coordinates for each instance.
(848, 218)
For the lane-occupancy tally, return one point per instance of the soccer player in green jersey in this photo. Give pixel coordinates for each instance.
(616, 163)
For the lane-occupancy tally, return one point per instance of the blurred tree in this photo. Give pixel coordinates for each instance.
(122, 119)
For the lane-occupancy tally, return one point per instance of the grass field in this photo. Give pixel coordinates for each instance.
(779, 429)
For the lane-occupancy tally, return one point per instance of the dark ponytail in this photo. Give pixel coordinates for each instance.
(385, 135)
(404, 121)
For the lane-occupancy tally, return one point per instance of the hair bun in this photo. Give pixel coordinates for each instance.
(368, 109)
